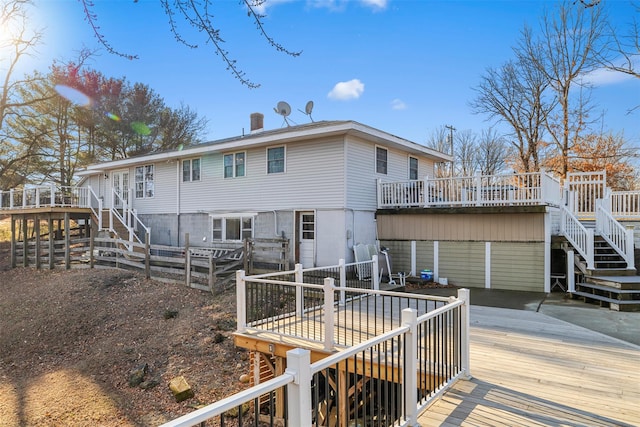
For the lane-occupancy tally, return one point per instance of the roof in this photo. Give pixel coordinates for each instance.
(278, 136)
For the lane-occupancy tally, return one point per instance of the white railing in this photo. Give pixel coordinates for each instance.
(481, 190)
(620, 238)
(580, 237)
(584, 189)
(625, 204)
(402, 356)
(95, 203)
(129, 219)
(44, 196)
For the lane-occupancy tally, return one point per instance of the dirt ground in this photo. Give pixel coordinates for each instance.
(69, 341)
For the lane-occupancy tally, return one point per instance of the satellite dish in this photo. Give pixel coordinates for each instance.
(283, 109)
(308, 109)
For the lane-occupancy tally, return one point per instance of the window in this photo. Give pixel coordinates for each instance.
(232, 228)
(144, 182)
(413, 168)
(234, 165)
(275, 160)
(191, 170)
(381, 160)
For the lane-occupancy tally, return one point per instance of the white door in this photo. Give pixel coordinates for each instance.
(120, 185)
(307, 233)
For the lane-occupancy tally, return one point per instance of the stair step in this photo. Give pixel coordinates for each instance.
(606, 299)
(608, 288)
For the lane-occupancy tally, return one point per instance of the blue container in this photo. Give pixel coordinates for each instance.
(426, 275)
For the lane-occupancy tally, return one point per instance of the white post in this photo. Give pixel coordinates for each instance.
(571, 277)
(241, 301)
(478, 189)
(11, 199)
(630, 255)
(24, 197)
(410, 386)
(375, 273)
(487, 265)
(37, 197)
(414, 253)
(463, 295)
(379, 193)
(590, 250)
(425, 192)
(299, 391)
(343, 279)
(53, 195)
(436, 261)
(299, 278)
(329, 321)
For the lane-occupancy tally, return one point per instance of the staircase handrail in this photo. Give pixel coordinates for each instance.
(580, 237)
(619, 237)
(125, 218)
(96, 210)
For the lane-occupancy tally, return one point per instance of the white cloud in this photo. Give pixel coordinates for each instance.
(344, 91)
(262, 7)
(603, 77)
(375, 4)
(398, 104)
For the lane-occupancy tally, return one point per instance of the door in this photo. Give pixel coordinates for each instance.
(120, 186)
(307, 239)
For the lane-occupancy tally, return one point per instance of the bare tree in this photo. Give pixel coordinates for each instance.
(198, 15)
(571, 43)
(466, 153)
(439, 140)
(492, 151)
(514, 94)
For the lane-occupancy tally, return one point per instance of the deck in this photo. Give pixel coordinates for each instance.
(531, 369)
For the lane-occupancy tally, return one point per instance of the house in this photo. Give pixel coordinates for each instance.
(314, 184)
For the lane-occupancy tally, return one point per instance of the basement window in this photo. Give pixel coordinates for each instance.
(231, 228)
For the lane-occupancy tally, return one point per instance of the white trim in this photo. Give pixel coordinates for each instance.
(436, 260)
(414, 253)
(278, 137)
(547, 251)
(487, 265)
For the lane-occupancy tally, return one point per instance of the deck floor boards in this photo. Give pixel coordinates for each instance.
(533, 370)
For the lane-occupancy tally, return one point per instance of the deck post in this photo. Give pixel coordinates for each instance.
(410, 369)
(414, 252)
(629, 246)
(343, 279)
(13, 241)
(329, 321)
(375, 273)
(241, 301)
(299, 278)
(299, 391)
(67, 242)
(25, 240)
(36, 231)
(590, 250)
(571, 277)
(52, 243)
(463, 295)
(92, 241)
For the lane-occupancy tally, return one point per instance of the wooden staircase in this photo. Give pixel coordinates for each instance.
(610, 284)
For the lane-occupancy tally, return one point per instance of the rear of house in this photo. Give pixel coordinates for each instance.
(313, 184)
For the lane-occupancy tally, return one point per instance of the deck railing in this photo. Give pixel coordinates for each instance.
(44, 196)
(625, 204)
(481, 190)
(580, 237)
(386, 380)
(619, 237)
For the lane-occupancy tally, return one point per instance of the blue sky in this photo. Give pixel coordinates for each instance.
(402, 66)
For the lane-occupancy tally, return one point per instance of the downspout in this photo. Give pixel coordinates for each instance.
(178, 199)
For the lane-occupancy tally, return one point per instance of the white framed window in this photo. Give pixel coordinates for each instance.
(275, 159)
(381, 160)
(144, 182)
(234, 164)
(232, 227)
(413, 168)
(191, 170)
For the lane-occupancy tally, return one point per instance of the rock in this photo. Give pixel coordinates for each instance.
(136, 376)
(180, 388)
(244, 378)
(149, 384)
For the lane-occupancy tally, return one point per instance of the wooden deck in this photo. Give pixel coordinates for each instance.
(532, 370)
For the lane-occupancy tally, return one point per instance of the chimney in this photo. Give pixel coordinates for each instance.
(257, 122)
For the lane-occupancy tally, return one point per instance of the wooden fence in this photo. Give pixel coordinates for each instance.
(206, 268)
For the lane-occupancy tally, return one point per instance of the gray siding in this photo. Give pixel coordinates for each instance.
(313, 178)
(463, 263)
(517, 266)
(424, 256)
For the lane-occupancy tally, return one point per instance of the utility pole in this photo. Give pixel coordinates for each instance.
(451, 130)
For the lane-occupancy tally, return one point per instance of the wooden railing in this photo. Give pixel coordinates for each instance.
(481, 190)
(415, 363)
